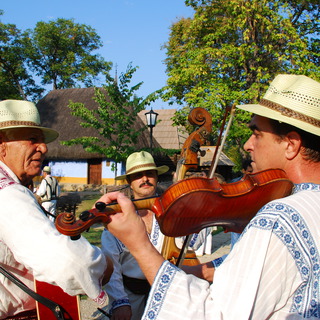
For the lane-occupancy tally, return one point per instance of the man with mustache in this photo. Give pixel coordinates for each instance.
(128, 288)
(30, 245)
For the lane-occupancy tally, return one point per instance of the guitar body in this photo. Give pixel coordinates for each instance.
(70, 304)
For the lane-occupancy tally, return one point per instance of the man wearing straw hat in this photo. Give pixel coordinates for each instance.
(31, 247)
(273, 270)
(128, 288)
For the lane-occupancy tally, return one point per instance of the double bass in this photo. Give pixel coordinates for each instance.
(189, 160)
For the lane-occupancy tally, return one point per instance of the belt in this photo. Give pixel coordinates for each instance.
(136, 286)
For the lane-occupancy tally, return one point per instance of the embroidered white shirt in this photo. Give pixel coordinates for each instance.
(31, 246)
(271, 273)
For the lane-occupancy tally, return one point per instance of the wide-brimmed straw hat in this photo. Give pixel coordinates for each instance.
(23, 114)
(292, 99)
(141, 161)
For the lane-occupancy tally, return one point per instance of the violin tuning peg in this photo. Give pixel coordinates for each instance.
(85, 215)
(100, 206)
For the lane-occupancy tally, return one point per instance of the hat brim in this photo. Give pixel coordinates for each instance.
(160, 170)
(49, 134)
(275, 115)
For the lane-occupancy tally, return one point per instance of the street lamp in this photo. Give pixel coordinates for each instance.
(151, 118)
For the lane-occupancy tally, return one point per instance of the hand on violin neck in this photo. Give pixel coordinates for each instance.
(130, 229)
(126, 225)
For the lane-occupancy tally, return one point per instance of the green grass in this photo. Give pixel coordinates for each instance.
(87, 202)
(94, 233)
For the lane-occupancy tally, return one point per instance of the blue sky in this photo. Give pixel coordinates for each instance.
(132, 31)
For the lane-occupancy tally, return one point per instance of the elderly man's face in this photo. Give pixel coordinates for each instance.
(23, 151)
(143, 184)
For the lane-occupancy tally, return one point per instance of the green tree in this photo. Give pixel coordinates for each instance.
(231, 49)
(15, 80)
(114, 118)
(61, 53)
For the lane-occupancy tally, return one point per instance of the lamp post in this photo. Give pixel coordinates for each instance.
(151, 118)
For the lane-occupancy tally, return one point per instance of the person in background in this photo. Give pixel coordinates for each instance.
(30, 245)
(49, 191)
(273, 270)
(128, 288)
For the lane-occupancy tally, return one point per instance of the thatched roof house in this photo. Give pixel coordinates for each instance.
(55, 114)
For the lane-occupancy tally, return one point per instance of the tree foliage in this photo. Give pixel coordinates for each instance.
(231, 49)
(114, 118)
(61, 53)
(15, 80)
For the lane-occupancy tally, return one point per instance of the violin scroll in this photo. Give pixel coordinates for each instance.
(66, 223)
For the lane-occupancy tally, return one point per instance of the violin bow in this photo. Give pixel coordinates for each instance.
(220, 144)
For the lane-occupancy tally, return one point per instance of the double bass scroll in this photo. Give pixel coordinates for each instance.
(189, 159)
(191, 147)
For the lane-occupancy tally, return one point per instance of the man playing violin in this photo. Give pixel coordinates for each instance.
(128, 288)
(30, 245)
(273, 270)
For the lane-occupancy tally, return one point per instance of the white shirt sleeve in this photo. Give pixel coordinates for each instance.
(75, 266)
(115, 288)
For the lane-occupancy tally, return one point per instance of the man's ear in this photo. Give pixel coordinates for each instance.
(294, 144)
(2, 145)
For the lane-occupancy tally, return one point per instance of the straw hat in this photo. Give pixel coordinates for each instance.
(141, 161)
(23, 114)
(46, 169)
(291, 99)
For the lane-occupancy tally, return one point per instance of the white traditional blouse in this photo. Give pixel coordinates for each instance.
(125, 263)
(271, 273)
(31, 247)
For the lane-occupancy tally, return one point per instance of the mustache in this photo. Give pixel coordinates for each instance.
(146, 184)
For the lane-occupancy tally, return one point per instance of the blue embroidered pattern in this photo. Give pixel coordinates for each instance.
(118, 303)
(162, 284)
(155, 234)
(217, 262)
(289, 226)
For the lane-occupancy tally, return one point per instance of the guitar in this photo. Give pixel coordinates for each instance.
(70, 305)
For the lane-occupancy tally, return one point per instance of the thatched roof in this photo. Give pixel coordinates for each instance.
(167, 135)
(209, 153)
(55, 114)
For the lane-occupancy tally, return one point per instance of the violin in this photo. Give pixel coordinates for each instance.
(192, 204)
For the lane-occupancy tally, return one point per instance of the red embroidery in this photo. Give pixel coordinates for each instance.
(101, 299)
